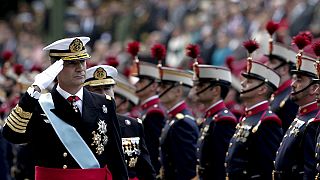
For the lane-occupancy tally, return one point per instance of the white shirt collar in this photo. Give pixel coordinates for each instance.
(65, 94)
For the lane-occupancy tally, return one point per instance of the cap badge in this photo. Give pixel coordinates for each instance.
(100, 73)
(76, 45)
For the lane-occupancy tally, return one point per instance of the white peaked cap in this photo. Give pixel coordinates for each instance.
(100, 75)
(63, 44)
(279, 50)
(216, 73)
(69, 48)
(147, 70)
(176, 75)
(258, 70)
(125, 89)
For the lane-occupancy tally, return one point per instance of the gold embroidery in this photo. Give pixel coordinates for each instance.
(76, 45)
(14, 129)
(22, 113)
(18, 117)
(132, 162)
(100, 73)
(13, 118)
(12, 122)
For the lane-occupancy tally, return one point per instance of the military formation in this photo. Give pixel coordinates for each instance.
(169, 123)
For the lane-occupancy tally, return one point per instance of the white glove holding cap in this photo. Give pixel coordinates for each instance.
(45, 78)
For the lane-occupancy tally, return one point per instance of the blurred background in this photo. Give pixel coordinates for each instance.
(218, 26)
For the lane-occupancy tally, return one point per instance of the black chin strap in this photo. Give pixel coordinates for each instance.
(259, 85)
(301, 90)
(122, 102)
(152, 81)
(204, 89)
(167, 90)
(280, 65)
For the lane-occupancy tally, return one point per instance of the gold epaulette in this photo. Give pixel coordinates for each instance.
(18, 119)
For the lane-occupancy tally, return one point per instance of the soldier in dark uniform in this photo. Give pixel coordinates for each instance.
(74, 134)
(282, 60)
(295, 158)
(152, 112)
(211, 85)
(253, 147)
(101, 79)
(179, 136)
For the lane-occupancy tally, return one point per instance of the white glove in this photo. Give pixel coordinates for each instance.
(44, 79)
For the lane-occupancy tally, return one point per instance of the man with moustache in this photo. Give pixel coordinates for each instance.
(73, 133)
(253, 147)
(295, 158)
(101, 79)
(179, 136)
(211, 86)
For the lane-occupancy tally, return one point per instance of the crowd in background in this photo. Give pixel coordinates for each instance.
(218, 26)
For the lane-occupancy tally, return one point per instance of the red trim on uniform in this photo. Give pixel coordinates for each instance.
(215, 109)
(273, 118)
(317, 117)
(255, 110)
(155, 110)
(235, 108)
(135, 178)
(150, 103)
(178, 109)
(43, 173)
(283, 87)
(226, 118)
(305, 110)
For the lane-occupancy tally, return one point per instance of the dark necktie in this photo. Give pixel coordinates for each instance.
(73, 100)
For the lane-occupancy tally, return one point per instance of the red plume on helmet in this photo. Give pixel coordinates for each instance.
(112, 61)
(193, 51)
(271, 27)
(18, 69)
(251, 45)
(133, 48)
(301, 41)
(316, 48)
(6, 55)
(158, 52)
